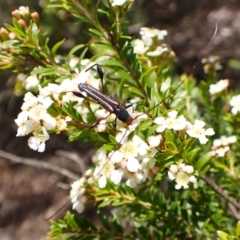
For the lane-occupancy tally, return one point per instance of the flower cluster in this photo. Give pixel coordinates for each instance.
(135, 158)
(182, 174)
(218, 87)
(222, 145)
(131, 161)
(211, 64)
(77, 196)
(235, 103)
(178, 123)
(34, 117)
(149, 42)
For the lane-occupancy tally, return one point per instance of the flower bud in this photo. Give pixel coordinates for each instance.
(35, 17)
(22, 23)
(16, 14)
(4, 34)
(12, 35)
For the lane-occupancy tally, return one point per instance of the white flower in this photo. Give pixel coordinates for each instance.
(186, 168)
(182, 180)
(82, 77)
(131, 182)
(224, 141)
(153, 32)
(85, 62)
(45, 101)
(197, 131)
(26, 124)
(116, 156)
(102, 126)
(29, 101)
(235, 103)
(61, 124)
(116, 176)
(232, 139)
(173, 169)
(180, 124)
(211, 64)
(78, 206)
(141, 145)
(154, 141)
(157, 52)
(139, 47)
(221, 146)
(181, 174)
(171, 122)
(104, 114)
(24, 11)
(31, 82)
(48, 121)
(221, 151)
(102, 182)
(118, 2)
(129, 150)
(218, 87)
(73, 62)
(77, 195)
(161, 122)
(37, 142)
(132, 165)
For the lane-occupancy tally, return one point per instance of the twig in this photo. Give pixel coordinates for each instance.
(234, 211)
(38, 164)
(74, 157)
(220, 191)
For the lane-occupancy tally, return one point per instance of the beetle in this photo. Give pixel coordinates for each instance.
(109, 104)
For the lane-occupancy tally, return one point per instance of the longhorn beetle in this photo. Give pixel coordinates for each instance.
(105, 101)
(113, 107)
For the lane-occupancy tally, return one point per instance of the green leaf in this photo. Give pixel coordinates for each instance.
(112, 63)
(145, 124)
(203, 161)
(125, 77)
(149, 77)
(137, 91)
(95, 33)
(169, 136)
(103, 46)
(223, 235)
(74, 136)
(73, 50)
(164, 159)
(106, 202)
(172, 146)
(56, 46)
(238, 229)
(17, 29)
(12, 43)
(45, 71)
(190, 155)
(151, 130)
